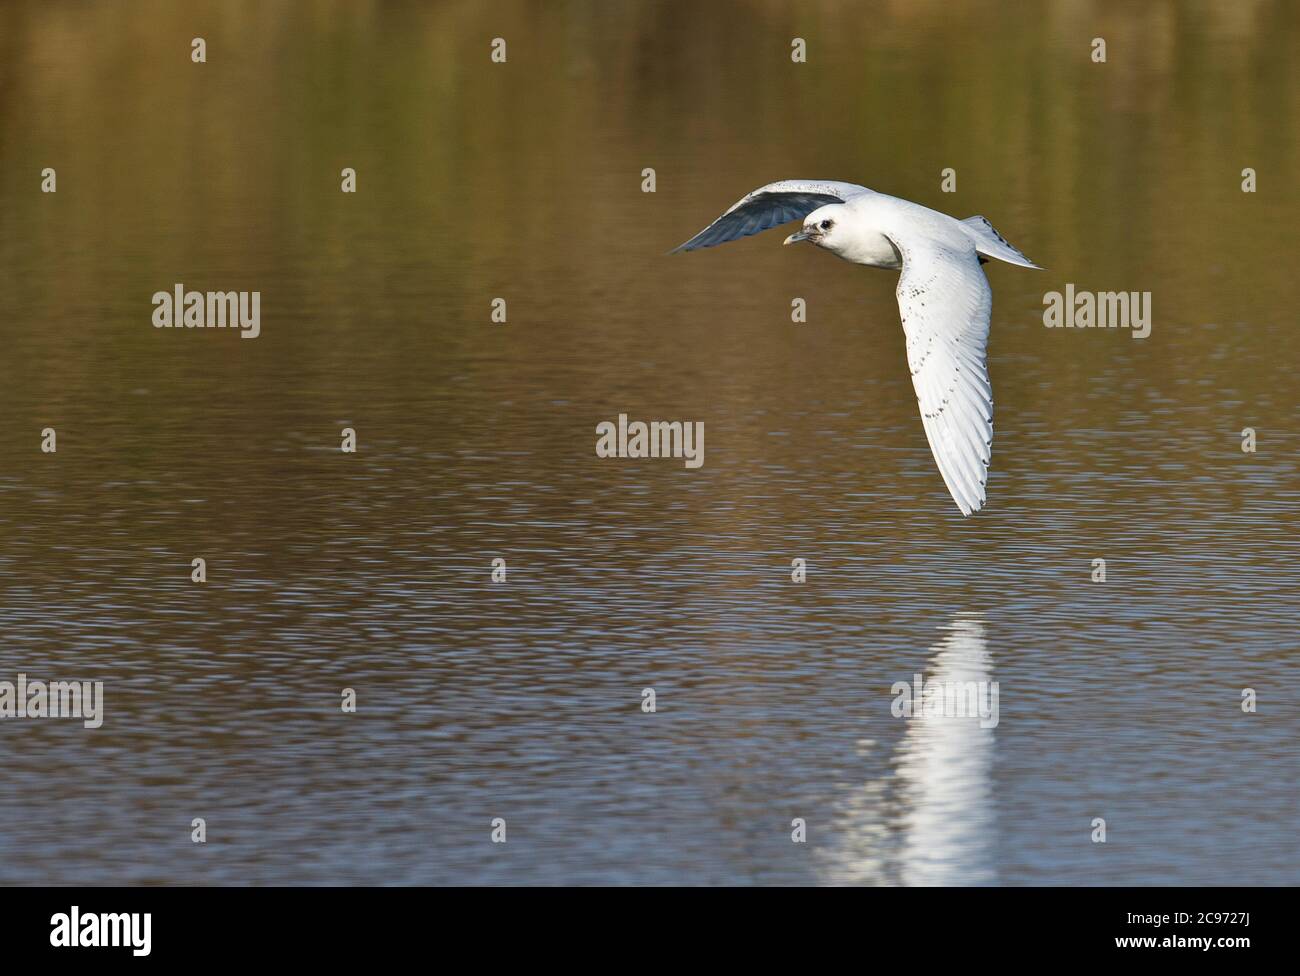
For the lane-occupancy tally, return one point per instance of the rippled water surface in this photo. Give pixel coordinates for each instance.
(523, 700)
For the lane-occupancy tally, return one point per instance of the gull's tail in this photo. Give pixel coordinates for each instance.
(992, 244)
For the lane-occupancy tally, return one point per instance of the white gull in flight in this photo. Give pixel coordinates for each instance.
(943, 298)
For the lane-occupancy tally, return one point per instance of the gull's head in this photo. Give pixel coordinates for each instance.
(822, 227)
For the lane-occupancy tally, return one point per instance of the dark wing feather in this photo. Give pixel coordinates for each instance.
(767, 207)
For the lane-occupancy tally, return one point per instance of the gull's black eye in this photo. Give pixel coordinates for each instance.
(826, 225)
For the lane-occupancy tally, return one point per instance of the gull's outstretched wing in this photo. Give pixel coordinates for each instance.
(768, 206)
(945, 302)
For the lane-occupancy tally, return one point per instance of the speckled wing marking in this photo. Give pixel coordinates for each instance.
(768, 206)
(945, 303)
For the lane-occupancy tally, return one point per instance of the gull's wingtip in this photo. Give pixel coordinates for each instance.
(969, 508)
(694, 244)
